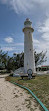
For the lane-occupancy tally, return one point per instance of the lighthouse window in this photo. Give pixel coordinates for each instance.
(30, 49)
(27, 63)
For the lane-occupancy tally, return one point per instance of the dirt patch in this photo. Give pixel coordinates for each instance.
(13, 98)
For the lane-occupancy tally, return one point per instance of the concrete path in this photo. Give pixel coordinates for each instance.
(13, 98)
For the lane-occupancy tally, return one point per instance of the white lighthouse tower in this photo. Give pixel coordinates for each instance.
(29, 61)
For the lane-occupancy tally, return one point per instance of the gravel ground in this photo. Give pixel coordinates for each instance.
(14, 98)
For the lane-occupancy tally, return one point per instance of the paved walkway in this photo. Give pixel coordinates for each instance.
(13, 98)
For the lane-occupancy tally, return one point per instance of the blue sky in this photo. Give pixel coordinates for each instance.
(13, 13)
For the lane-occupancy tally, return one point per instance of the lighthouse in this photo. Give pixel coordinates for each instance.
(29, 60)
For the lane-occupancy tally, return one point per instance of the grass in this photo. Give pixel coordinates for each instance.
(39, 86)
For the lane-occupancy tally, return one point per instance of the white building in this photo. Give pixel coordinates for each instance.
(29, 61)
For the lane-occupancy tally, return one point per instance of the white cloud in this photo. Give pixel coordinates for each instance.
(19, 6)
(36, 41)
(9, 39)
(16, 44)
(19, 44)
(45, 36)
(40, 45)
(13, 47)
(43, 28)
(3, 1)
(27, 6)
(42, 1)
(7, 48)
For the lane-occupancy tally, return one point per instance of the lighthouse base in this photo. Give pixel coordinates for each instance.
(20, 72)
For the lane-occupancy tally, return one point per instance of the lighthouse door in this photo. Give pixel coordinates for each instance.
(29, 73)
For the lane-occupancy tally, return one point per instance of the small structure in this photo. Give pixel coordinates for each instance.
(43, 68)
(29, 60)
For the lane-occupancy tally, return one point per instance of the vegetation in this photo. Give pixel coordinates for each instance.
(40, 58)
(39, 86)
(17, 60)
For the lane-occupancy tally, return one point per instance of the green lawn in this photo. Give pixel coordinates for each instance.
(39, 86)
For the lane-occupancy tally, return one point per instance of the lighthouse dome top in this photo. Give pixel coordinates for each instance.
(27, 19)
(27, 23)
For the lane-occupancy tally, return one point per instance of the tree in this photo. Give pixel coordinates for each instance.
(3, 59)
(17, 61)
(40, 57)
(10, 64)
